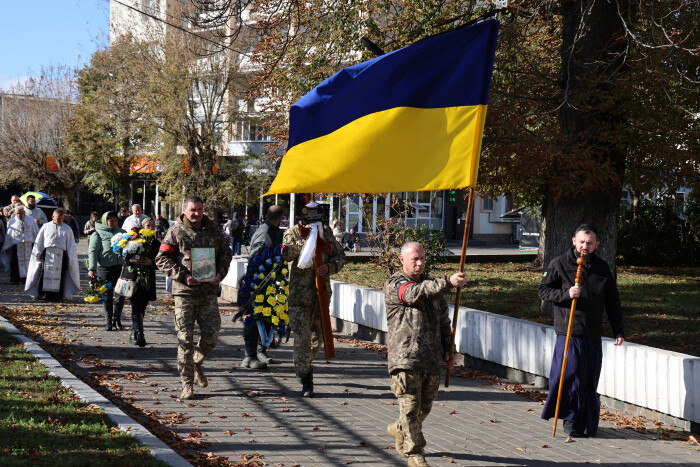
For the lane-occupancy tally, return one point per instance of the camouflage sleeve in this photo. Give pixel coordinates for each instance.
(223, 256)
(445, 326)
(166, 260)
(411, 292)
(337, 261)
(291, 244)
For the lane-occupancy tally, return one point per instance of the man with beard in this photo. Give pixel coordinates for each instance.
(35, 212)
(597, 292)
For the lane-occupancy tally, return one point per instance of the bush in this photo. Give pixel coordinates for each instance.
(654, 234)
(385, 245)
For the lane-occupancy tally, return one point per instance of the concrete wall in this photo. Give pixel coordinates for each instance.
(665, 382)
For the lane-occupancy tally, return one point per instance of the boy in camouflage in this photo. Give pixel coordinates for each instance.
(419, 340)
(194, 301)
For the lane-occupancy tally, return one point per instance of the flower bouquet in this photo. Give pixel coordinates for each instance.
(263, 291)
(133, 244)
(97, 290)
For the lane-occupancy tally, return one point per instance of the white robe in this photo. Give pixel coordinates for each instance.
(37, 213)
(133, 221)
(20, 233)
(60, 237)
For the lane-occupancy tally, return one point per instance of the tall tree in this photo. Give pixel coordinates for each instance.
(33, 120)
(580, 96)
(111, 131)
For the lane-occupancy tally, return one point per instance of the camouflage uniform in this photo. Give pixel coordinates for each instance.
(304, 314)
(197, 303)
(418, 338)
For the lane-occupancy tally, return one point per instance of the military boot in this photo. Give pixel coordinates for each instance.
(307, 385)
(254, 363)
(199, 378)
(262, 355)
(417, 460)
(134, 329)
(394, 432)
(187, 392)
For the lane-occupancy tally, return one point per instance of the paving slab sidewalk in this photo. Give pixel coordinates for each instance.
(248, 414)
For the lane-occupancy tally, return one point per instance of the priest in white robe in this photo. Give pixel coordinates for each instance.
(17, 249)
(53, 268)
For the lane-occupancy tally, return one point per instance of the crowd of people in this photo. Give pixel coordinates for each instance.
(195, 253)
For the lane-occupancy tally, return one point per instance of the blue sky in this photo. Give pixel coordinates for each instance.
(49, 32)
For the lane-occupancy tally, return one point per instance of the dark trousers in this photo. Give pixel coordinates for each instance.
(251, 337)
(14, 266)
(111, 274)
(236, 246)
(579, 399)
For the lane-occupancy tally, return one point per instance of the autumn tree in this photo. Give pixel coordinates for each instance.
(587, 97)
(33, 120)
(112, 130)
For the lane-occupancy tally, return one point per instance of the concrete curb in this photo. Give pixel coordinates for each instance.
(87, 395)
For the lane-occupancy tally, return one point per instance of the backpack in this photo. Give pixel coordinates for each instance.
(235, 229)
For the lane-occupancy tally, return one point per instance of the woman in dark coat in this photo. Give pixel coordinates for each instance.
(142, 295)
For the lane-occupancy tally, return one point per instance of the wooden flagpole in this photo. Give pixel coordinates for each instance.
(455, 314)
(577, 282)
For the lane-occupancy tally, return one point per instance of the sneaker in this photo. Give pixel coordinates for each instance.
(187, 392)
(262, 356)
(254, 363)
(417, 460)
(398, 438)
(199, 378)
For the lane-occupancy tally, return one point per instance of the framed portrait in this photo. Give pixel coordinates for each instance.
(203, 264)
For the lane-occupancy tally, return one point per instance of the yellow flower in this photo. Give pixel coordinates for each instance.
(282, 283)
(284, 271)
(271, 300)
(285, 318)
(92, 299)
(140, 240)
(286, 290)
(281, 298)
(121, 243)
(102, 289)
(270, 290)
(261, 276)
(147, 232)
(259, 298)
(267, 311)
(273, 275)
(258, 309)
(275, 321)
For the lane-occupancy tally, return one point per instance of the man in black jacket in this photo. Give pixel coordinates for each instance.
(597, 292)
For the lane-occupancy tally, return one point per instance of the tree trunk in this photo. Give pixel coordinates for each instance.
(592, 57)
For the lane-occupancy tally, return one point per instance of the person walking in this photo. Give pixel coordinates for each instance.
(89, 228)
(235, 229)
(269, 235)
(107, 265)
(597, 293)
(19, 241)
(304, 309)
(196, 256)
(134, 269)
(419, 341)
(53, 269)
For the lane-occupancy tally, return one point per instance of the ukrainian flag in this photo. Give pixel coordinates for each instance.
(410, 120)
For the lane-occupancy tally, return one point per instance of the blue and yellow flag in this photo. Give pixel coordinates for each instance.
(410, 120)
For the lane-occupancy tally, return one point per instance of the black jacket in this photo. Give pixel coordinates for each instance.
(598, 293)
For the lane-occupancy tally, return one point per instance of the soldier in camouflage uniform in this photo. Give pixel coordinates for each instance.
(304, 312)
(194, 301)
(419, 341)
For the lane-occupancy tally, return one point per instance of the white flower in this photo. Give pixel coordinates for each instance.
(133, 248)
(115, 239)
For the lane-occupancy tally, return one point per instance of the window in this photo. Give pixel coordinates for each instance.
(245, 130)
(486, 204)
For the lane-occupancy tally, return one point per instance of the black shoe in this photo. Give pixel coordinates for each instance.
(307, 385)
(133, 338)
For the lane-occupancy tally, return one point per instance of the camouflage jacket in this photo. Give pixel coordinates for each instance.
(418, 322)
(175, 261)
(302, 282)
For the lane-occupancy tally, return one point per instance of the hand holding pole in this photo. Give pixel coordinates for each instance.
(577, 282)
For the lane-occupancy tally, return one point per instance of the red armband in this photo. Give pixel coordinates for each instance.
(402, 290)
(167, 249)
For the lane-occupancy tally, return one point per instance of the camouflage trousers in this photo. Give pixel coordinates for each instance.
(308, 335)
(203, 310)
(416, 392)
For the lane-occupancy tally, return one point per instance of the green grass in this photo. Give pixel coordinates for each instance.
(43, 423)
(661, 305)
